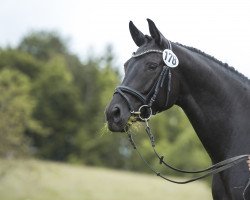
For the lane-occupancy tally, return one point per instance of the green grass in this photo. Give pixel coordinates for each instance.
(39, 180)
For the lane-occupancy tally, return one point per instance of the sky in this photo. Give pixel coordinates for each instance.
(220, 28)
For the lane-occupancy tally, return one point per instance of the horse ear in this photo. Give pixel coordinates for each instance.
(137, 35)
(155, 33)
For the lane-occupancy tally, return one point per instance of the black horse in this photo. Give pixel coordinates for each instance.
(214, 96)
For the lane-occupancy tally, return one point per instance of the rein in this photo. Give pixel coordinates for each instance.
(214, 169)
(145, 112)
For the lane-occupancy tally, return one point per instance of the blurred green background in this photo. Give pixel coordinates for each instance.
(52, 110)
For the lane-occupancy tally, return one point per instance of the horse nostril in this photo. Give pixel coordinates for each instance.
(116, 113)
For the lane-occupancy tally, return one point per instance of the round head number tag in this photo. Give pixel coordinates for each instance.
(170, 58)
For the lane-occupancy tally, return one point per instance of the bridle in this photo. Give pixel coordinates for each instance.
(149, 99)
(145, 112)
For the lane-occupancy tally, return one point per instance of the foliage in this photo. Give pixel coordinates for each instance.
(15, 113)
(43, 45)
(56, 102)
(21, 61)
(58, 108)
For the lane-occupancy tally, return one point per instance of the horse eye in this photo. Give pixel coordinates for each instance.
(151, 66)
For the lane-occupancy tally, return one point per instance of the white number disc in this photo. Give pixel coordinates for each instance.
(170, 58)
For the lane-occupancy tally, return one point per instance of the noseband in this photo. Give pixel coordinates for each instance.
(145, 111)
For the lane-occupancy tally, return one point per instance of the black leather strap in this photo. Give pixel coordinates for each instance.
(133, 92)
(150, 98)
(119, 91)
(214, 169)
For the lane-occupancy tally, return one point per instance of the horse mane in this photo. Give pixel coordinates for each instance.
(225, 65)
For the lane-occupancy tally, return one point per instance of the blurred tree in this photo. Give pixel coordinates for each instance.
(58, 108)
(16, 107)
(71, 99)
(43, 45)
(21, 61)
(95, 80)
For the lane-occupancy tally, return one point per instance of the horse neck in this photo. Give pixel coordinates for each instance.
(213, 98)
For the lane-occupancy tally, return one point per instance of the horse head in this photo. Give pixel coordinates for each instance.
(147, 82)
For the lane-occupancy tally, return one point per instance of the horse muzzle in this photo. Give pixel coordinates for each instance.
(117, 115)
